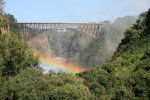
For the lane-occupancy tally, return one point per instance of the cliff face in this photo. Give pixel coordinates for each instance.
(40, 43)
(80, 48)
(100, 50)
(67, 44)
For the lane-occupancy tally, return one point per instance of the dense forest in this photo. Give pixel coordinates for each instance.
(126, 76)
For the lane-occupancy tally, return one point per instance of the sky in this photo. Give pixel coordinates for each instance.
(74, 10)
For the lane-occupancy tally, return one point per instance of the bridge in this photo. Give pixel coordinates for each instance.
(92, 29)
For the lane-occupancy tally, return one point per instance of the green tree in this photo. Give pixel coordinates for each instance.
(139, 84)
(15, 55)
(32, 84)
(70, 92)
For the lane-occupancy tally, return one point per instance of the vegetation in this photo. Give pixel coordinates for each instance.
(125, 77)
(31, 84)
(15, 55)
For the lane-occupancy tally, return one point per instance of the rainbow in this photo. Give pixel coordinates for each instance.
(58, 64)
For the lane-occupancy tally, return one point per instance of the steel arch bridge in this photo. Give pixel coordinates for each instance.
(92, 29)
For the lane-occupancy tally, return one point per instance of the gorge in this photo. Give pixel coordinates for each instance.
(70, 50)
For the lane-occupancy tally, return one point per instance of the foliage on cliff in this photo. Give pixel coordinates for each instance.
(127, 75)
(15, 55)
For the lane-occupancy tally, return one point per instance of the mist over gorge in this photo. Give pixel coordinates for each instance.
(79, 48)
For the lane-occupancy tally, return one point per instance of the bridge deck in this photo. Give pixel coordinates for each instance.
(93, 29)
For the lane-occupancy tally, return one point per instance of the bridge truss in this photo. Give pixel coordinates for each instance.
(92, 29)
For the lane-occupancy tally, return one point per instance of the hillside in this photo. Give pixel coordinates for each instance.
(127, 75)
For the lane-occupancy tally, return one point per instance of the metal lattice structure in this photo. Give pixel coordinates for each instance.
(92, 29)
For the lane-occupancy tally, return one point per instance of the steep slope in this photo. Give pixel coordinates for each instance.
(68, 44)
(133, 46)
(127, 75)
(58, 48)
(40, 43)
